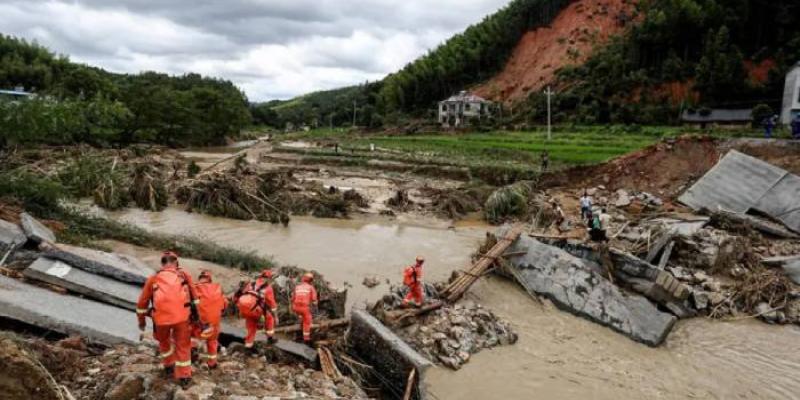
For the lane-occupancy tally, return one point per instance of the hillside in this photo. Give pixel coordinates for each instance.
(610, 61)
(569, 40)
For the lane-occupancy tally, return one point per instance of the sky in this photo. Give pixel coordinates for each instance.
(272, 49)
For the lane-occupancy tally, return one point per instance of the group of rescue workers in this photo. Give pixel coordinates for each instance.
(185, 313)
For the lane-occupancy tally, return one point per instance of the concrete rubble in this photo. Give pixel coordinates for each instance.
(67, 315)
(11, 237)
(580, 287)
(35, 230)
(453, 333)
(116, 266)
(393, 358)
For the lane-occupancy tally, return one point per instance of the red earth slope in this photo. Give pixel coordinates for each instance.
(569, 40)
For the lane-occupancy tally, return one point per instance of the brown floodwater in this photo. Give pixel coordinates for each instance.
(558, 356)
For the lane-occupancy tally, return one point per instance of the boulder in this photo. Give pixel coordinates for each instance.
(792, 270)
(623, 199)
(11, 237)
(574, 285)
(35, 231)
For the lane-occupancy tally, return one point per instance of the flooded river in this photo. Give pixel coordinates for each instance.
(558, 355)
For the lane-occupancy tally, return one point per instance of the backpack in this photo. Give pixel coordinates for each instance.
(596, 222)
(171, 296)
(212, 302)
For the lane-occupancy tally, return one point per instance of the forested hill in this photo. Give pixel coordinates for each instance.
(463, 60)
(673, 54)
(80, 103)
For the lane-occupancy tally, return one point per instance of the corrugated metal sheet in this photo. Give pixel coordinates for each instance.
(740, 183)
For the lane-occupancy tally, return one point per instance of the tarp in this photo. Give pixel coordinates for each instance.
(741, 183)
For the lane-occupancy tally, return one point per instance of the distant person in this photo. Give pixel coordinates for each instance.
(586, 206)
(560, 218)
(796, 127)
(769, 126)
(605, 223)
(412, 278)
(303, 298)
(545, 161)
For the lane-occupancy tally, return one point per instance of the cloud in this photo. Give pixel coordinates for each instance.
(270, 48)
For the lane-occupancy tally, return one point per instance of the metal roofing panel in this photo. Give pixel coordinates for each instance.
(782, 202)
(736, 183)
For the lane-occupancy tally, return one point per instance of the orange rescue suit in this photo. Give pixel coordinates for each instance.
(170, 291)
(304, 296)
(257, 302)
(412, 277)
(212, 304)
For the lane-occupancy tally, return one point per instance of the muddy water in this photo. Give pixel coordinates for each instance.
(345, 251)
(558, 355)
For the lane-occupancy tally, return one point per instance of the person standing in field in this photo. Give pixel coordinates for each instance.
(586, 205)
(545, 161)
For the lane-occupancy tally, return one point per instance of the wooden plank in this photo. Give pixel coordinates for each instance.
(662, 263)
(658, 245)
(410, 384)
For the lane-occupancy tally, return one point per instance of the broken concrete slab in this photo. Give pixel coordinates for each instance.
(657, 246)
(792, 270)
(760, 224)
(740, 183)
(392, 357)
(35, 230)
(97, 287)
(11, 237)
(65, 314)
(665, 255)
(574, 285)
(123, 268)
(780, 260)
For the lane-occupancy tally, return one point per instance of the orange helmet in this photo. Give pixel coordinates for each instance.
(267, 273)
(420, 259)
(168, 257)
(307, 277)
(205, 274)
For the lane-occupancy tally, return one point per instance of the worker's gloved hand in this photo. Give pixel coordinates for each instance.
(142, 325)
(195, 316)
(261, 319)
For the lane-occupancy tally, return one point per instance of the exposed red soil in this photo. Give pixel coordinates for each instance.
(569, 40)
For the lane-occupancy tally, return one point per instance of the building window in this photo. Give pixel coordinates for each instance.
(467, 106)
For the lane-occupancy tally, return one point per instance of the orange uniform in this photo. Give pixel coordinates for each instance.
(212, 304)
(303, 297)
(257, 303)
(412, 278)
(171, 293)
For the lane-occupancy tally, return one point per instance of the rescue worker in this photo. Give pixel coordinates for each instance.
(412, 278)
(303, 297)
(212, 304)
(256, 304)
(170, 299)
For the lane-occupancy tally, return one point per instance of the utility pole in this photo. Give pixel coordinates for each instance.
(330, 121)
(549, 93)
(354, 113)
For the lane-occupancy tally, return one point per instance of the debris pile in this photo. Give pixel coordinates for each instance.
(130, 372)
(451, 334)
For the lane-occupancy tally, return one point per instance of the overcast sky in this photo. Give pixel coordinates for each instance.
(270, 48)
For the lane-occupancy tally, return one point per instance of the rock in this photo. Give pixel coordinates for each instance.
(21, 376)
(11, 237)
(623, 198)
(200, 390)
(792, 270)
(716, 298)
(712, 285)
(766, 313)
(35, 231)
(371, 281)
(129, 386)
(700, 299)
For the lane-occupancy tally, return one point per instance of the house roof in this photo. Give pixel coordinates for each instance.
(741, 183)
(466, 97)
(718, 115)
(15, 92)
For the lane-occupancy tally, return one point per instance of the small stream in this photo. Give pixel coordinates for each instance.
(558, 356)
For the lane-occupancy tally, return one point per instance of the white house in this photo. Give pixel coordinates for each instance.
(459, 109)
(791, 95)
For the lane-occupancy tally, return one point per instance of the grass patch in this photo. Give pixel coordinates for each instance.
(82, 229)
